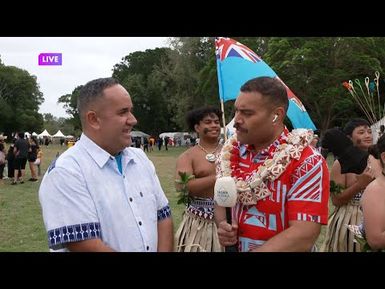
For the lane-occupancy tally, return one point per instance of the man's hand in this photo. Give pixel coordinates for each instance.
(228, 234)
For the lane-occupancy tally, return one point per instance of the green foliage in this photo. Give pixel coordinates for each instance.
(363, 244)
(314, 69)
(335, 188)
(184, 197)
(52, 124)
(20, 98)
(145, 75)
(165, 83)
(69, 102)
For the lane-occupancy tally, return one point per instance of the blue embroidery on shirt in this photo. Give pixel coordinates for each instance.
(164, 213)
(79, 232)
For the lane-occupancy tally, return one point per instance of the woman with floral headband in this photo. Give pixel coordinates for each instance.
(282, 182)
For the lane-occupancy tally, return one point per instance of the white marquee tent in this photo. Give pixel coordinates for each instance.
(58, 134)
(137, 133)
(44, 133)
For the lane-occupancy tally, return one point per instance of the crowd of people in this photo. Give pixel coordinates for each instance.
(104, 194)
(14, 159)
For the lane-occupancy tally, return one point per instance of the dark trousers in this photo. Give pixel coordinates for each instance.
(1, 171)
(11, 168)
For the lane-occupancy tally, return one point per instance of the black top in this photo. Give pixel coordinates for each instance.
(22, 147)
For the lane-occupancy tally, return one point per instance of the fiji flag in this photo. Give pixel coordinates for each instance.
(237, 64)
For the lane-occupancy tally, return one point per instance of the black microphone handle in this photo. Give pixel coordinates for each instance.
(232, 248)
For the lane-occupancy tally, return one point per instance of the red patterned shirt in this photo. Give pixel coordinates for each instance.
(300, 193)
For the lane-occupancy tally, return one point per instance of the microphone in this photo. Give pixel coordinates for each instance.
(225, 195)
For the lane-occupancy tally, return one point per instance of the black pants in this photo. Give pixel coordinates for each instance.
(1, 171)
(11, 168)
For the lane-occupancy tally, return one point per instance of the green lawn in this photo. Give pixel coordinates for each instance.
(21, 223)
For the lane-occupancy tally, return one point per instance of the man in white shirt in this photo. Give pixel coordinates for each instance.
(101, 194)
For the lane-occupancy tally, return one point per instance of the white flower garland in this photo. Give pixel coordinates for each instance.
(254, 187)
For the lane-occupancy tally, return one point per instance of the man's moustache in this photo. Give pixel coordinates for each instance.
(236, 126)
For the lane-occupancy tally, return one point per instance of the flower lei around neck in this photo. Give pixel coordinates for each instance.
(254, 187)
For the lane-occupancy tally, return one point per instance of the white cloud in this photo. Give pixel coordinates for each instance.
(83, 59)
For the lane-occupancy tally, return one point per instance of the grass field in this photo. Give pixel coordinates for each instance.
(21, 223)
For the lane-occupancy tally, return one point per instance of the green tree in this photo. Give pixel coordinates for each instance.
(143, 74)
(69, 102)
(192, 71)
(52, 124)
(20, 98)
(314, 69)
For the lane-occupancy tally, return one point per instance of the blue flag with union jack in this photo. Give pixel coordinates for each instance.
(236, 64)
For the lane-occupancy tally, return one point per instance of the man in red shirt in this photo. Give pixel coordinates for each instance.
(282, 181)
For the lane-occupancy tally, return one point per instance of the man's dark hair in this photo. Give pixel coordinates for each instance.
(270, 88)
(91, 91)
(196, 115)
(352, 124)
(21, 134)
(377, 149)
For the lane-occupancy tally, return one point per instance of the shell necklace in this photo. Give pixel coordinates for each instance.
(254, 188)
(211, 157)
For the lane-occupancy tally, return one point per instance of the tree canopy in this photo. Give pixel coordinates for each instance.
(20, 98)
(165, 83)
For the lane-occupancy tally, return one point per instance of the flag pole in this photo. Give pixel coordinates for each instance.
(229, 220)
(223, 119)
(221, 97)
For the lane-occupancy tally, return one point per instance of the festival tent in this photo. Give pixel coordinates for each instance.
(34, 134)
(58, 134)
(177, 137)
(137, 133)
(44, 133)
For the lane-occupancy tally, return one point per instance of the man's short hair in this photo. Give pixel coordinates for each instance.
(91, 91)
(353, 123)
(196, 115)
(270, 88)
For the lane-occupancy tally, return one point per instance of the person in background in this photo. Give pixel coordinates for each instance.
(145, 144)
(160, 143)
(11, 162)
(21, 154)
(39, 160)
(32, 156)
(198, 231)
(373, 199)
(3, 158)
(282, 198)
(166, 142)
(347, 199)
(103, 195)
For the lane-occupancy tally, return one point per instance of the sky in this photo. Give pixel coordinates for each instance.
(83, 59)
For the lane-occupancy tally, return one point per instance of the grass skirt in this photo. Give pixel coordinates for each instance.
(196, 234)
(338, 237)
